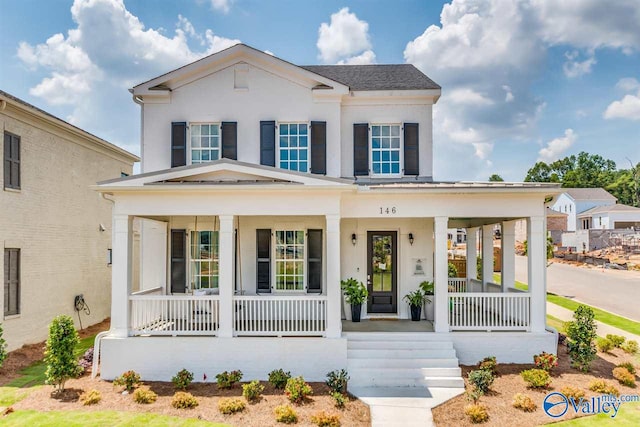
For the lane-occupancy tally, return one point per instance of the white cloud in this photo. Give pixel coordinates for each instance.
(365, 58)
(222, 5)
(557, 147)
(628, 84)
(508, 97)
(345, 38)
(469, 97)
(627, 108)
(574, 68)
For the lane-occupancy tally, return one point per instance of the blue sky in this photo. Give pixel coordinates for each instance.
(522, 79)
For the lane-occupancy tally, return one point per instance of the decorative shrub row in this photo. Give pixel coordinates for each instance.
(603, 387)
(536, 378)
(524, 402)
(624, 377)
(545, 361)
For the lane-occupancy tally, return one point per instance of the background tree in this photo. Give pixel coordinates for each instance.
(495, 178)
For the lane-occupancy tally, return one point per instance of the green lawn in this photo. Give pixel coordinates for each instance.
(98, 418)
(556, 323)
(628, 415)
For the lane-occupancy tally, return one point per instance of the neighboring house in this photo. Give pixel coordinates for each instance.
(264, 184)
(54, 230)
(610, 217)
(556, 225)
(574, 201)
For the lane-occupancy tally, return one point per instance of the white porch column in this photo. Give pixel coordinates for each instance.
(472, 253)
(225, 276)
(121, 274)
(508, 274)
(537, 260)
(440, 272)
(334, 299)
(487, 255)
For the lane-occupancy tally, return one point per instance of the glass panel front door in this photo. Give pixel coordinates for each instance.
(382, 271)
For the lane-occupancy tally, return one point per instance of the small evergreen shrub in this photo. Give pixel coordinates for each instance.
(322, 419)
(339, 398)
(489, 364)
(337, 380)
(182, 379)
(481, 379)
(628, 366)
(523, 402)
(144, 396)
(285, 414)
(601, 386)
(624, 377)
(90, 397)
(252, 391)
(630, 346)
(226, 379)
(278, 378)
(572, 392)
(546, 361)
(184, 400)
(580, 334)
(129, 380)
(536, 378)
(297, 390)
(231, 405)
(616, 340)
(3, 347)
(59, 356)
(477, 413)
(474, 395)
(604, 345)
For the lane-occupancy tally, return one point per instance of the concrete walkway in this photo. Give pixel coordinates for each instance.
(603, 329)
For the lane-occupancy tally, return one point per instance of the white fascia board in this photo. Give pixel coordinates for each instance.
(428, 94)
(200, 188)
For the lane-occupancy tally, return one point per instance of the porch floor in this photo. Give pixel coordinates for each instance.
(387, 325)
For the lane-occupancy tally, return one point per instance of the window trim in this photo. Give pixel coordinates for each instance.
(400, 174)
(274, 287)
(7, 185)
(294, 122)
(18, 312)
(189, 157)
(190, 274)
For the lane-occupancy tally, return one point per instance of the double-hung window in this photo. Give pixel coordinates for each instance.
(204, 259)
(205, 142)
(11, 161)
(290, 260)
(293, 146)
(385, 149)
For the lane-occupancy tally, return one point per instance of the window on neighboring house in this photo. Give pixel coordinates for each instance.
(123, 174)
(290, 260)
(385, 149)
(11, 161)
(569, 208)
(293, 146)
(600, 220)
(205, 142)
(204, 259)
(11, 281)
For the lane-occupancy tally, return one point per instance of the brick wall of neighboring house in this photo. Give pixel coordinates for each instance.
(556, 223)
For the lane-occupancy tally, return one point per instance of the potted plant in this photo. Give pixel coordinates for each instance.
(415, 300)
(427, 289)
(356, 294)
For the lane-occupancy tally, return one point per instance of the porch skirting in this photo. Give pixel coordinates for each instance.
(508, 347)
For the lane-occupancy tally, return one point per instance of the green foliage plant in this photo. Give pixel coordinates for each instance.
(144, 396)
(278, 378)
(355, 292)
(285, 414)
(481, 379)
(580, 335)
(129, 380)
(297, 390)
(337, 380)
(536, 378)
(3, 347)
(59, 354)
(252, 391)
(182, 379)
(184, 400)
(226, 379)
(231, 405)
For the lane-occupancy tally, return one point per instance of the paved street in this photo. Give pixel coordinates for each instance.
(611, 290)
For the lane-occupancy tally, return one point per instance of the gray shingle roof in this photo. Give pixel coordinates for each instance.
(610, 208)
(589, 194)
(375, 77)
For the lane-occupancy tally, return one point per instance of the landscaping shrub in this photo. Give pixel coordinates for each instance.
(477, 412)
(144, 395)
(481, 379)
(278, 378)
(3, 347)
(601, 386)
(228, 379)
(285, 414)
(604, 345)
(231, 405)
(617, 340)
(339, 398)
(337, 380)
(630, 346)
(536, 378)
(129, 380)
(90, 397)
(628, 366)
(59, 352)
(524, 402)
(474, 395)
(546, 361)
(252, 391)
(322, 419)
(182, 379)
(184, 400)
(86, 361)
(580, 333)
(297, 390)
(624, 377)
(573, 392)
(452, 270)
(489, 364)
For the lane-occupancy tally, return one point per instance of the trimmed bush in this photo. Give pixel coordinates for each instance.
(184, 400)
(580, 333)
(3, 347)
(604, 345)
(144, 396)
(285, 414)
(59, 356)
(337, 380)
(489, 364)
(624, 377)
(90, 397)
(129, 380)
(481, 379)
(322, 419)
(477, 413)
(297, 390)
(536, 378)
(572, 392)
(546, 361)
(226, 379)
(278, 378)
(231, 405)
(628, 366)
(616, 340)
(339, 398)
(182, 379)
(524, 402)
(630, 346)
(601, 386)
(252, 391)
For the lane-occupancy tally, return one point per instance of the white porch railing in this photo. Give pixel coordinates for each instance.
(489, 311)
(280, 315)
(174, 315)
(457, 284)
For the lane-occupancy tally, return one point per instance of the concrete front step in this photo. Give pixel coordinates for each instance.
(384, 381)
(403, 363)
(393, 336)
(399, 345)
(401, 354)
(402, 372)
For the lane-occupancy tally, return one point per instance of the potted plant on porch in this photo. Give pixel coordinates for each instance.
(427, 289)
(415, 300)
(356, 294)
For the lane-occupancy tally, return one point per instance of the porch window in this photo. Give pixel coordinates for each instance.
(293, 147)
(204, 259)
(205, 142)
(290, 260)
(385, 149)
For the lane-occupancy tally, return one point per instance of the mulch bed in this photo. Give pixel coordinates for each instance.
(509, 382)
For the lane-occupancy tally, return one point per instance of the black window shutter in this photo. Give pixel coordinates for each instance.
(360, 149)
(178, 144)
(178, 261)
(11, 282)
(411, 150)
(268, 143)
(7, 166)
(11, 161)
(314, 261)
(263, 258)
(230, 140)
(319, 147)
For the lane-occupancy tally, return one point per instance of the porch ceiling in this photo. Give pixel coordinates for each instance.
(477, 222)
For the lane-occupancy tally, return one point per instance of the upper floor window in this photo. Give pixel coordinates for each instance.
(205, 142)
(385, 149)
(293, 146)
(11, 162)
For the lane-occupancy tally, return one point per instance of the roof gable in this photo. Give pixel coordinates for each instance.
(579, 194)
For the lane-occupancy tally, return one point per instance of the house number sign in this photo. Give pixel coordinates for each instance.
(388, 210)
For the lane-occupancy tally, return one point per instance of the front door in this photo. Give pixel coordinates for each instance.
(382, 274)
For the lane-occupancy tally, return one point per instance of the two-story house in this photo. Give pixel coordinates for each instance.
(263, 185)
(574, 201)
